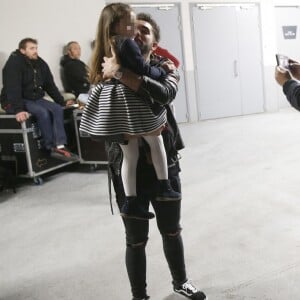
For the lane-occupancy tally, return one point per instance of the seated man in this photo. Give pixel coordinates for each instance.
(75, 72)
(26, 78)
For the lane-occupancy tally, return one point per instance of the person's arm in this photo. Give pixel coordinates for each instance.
(282, 75)
(131, 58)
(291, 88)
(294, 68)
(50, 87)
(162, 92)
(12, 82)
(165, 53)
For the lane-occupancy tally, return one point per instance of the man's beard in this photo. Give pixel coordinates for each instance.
(145, 49)
(34, 57)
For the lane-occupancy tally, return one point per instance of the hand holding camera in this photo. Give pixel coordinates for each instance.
(294, 68)
(282, 69)
(282, 61)
(286, 69)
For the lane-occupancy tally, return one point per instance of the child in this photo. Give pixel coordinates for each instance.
(115, 110)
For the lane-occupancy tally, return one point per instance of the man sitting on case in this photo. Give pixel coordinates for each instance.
(26, 78)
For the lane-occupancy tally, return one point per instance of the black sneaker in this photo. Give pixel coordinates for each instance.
(63, 154)
(188, 290)
(133, 209)
(166, 192)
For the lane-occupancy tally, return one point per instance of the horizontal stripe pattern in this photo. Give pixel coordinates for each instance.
(114, 109)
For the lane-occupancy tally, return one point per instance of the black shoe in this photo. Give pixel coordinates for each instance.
(146, 298)
(165, 192)
(63, 154)
(188, 290)
(133, 209)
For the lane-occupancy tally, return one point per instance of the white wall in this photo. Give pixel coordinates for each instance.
(55, 22)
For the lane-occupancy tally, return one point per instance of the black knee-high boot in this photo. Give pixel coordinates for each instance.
(136, 269)
(174, 252)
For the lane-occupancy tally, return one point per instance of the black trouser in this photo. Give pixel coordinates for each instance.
(167, 217)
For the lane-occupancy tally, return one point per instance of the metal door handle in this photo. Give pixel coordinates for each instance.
(235, 69)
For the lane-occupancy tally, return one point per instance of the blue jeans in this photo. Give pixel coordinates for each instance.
(50, 119)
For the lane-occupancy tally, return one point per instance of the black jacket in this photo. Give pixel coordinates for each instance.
(74, 75)
(26, 79)
(291, 89)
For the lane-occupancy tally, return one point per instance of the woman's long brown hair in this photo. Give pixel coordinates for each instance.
(109, 18)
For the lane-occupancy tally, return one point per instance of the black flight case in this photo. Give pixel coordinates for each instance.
(20, 143)
(89, 151)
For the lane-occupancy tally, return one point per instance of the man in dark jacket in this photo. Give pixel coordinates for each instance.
(75, 75)
(167, 213)
(26, 78)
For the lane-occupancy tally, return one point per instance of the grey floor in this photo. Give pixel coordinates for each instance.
(241, 221)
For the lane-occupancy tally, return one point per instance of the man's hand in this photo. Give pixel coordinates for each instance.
(294, 68)
(110, 66)
(282, 76)
(22, 116)
(168, 66)
(69, 102)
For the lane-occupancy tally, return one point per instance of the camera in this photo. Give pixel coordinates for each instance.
(282, 61)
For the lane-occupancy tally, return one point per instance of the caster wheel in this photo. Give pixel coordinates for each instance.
(93, 167)
(38, 180)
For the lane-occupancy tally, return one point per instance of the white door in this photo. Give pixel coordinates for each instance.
(228, 60)
(287, 32)
(168, 18)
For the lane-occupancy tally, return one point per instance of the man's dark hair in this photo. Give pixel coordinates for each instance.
(23, 43)
(148, 18)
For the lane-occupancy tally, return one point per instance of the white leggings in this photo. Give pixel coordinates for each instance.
(130, 159)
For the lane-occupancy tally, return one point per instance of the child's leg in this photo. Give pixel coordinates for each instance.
(131, 208)
(160, 163)
(158, 155)
(129, 165)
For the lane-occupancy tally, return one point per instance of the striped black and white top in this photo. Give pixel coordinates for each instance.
(114, 109)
